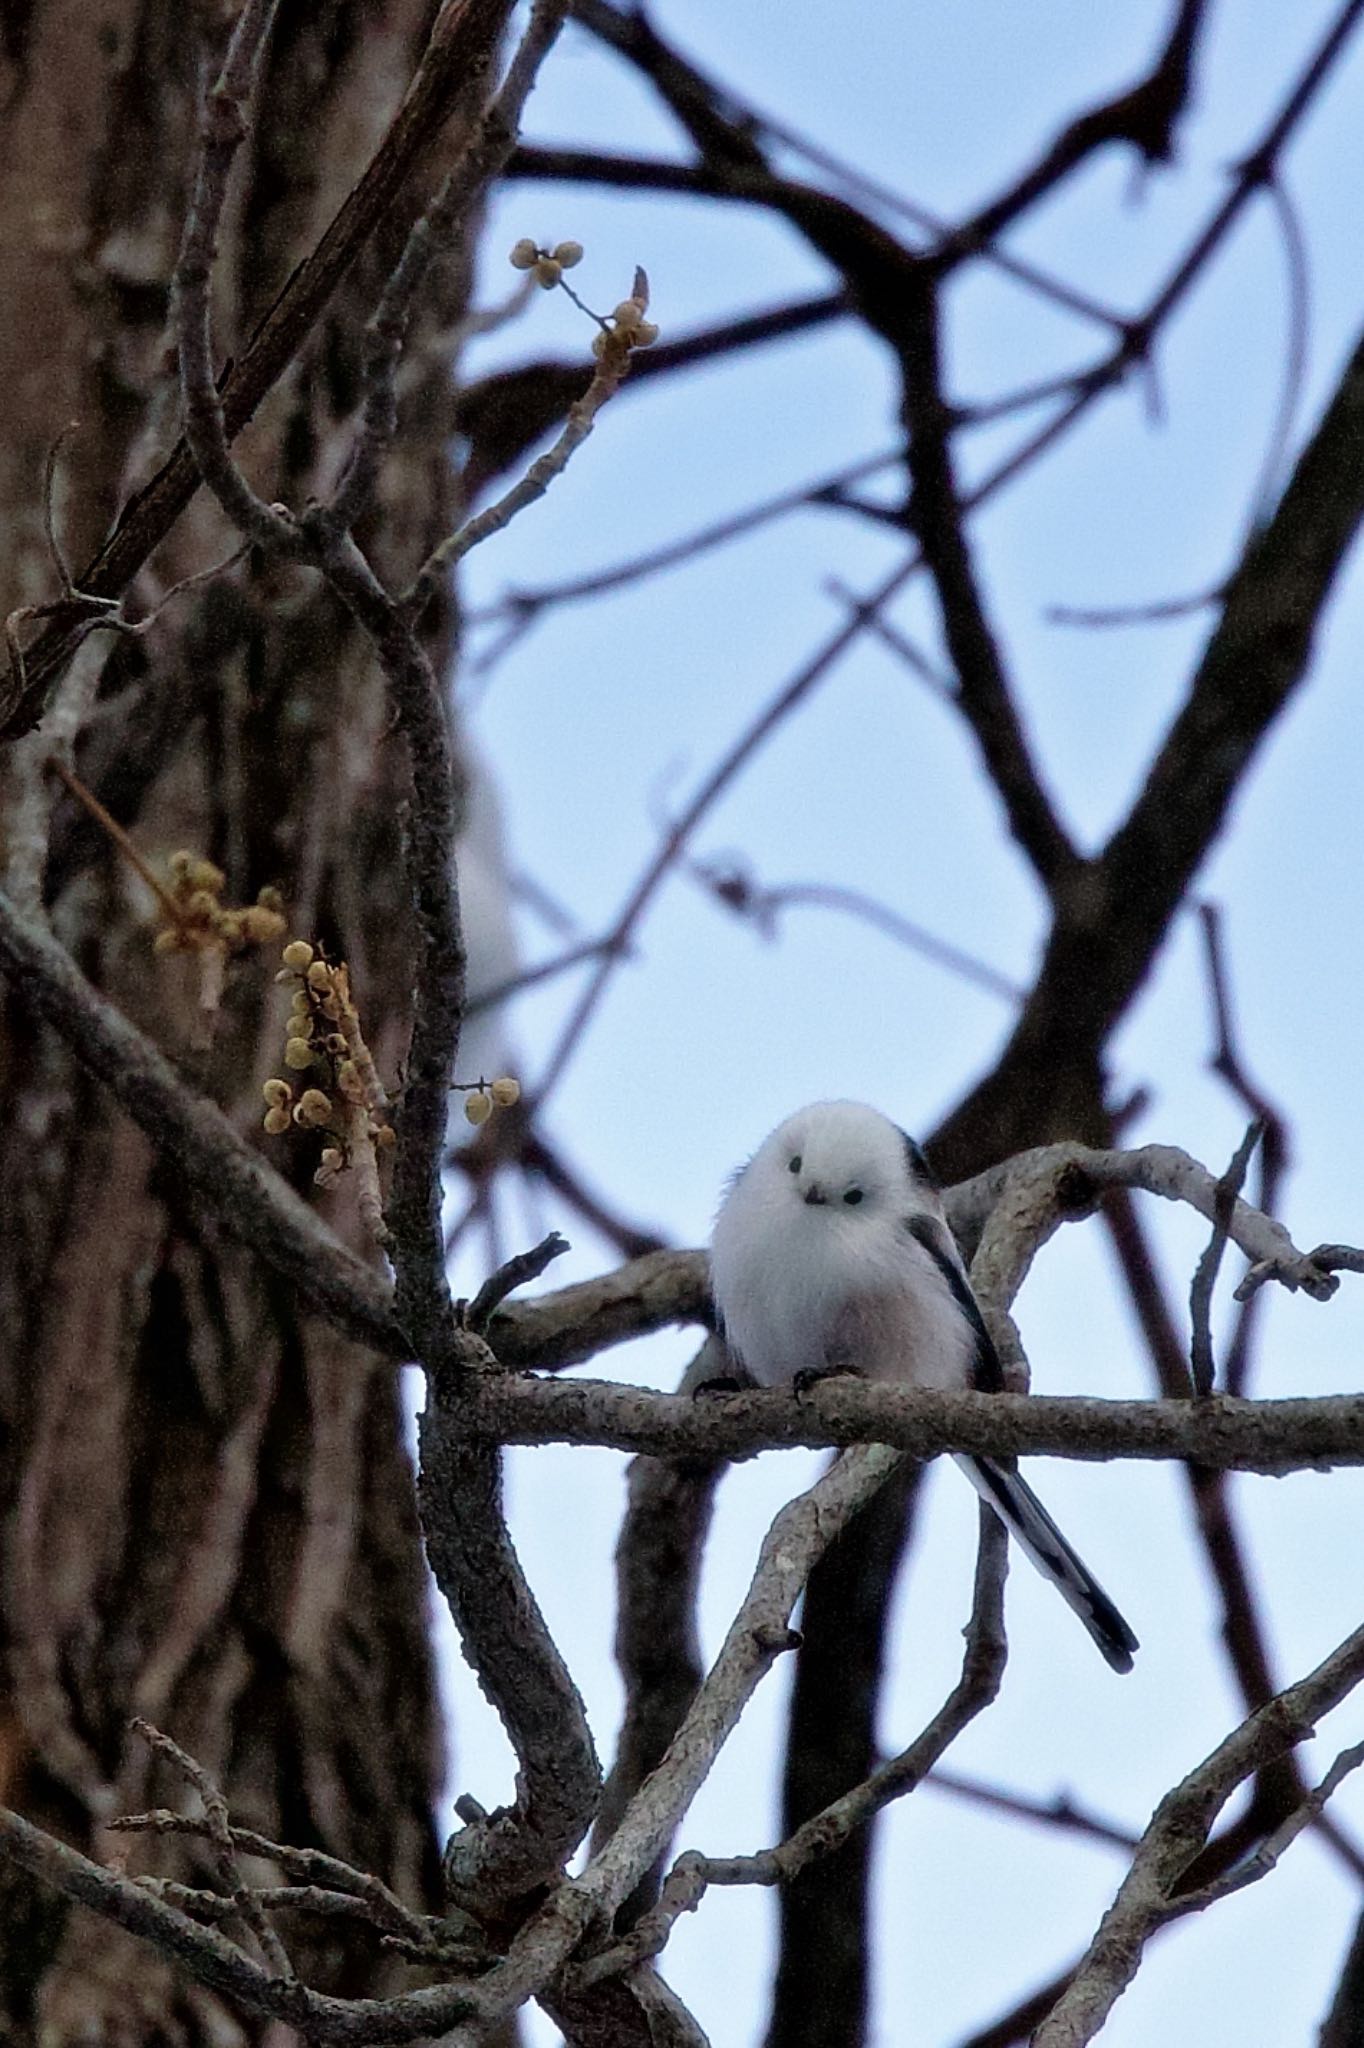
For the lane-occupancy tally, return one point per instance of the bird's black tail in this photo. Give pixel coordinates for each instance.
(1025, 1518)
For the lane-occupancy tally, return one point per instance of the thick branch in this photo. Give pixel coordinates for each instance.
(1229, 1434)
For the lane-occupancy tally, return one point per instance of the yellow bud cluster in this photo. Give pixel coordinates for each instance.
(627, 328)
(341, 1095)
(198, 922)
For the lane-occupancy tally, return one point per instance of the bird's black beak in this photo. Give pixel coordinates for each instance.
(815, 1196)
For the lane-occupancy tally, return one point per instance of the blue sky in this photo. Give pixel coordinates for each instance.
(604, 717)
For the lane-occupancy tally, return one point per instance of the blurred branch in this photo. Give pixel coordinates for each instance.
(1061, 1812)
(755, 735)
(1343, 2026)
(935, 513)
(761, 906)
(1144, 117)
(521, 608)
(658, 1650)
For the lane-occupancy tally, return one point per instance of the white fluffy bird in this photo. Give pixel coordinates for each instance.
(831, 1253)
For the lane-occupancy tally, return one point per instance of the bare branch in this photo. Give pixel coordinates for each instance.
(518, 1271)
(483, 155)
(826, 1832)
(1153, 1893)
(1205, 1275)
(217, 1827)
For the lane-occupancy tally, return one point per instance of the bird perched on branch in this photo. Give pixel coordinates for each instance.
(831, 1253)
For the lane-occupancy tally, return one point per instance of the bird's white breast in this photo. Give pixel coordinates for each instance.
(808, 1289)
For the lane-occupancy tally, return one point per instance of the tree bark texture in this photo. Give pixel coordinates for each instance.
(206, 1502)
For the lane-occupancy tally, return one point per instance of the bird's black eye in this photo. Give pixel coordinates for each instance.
(794, 1164)
(853, 1197)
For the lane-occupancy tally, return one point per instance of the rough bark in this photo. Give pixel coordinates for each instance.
(206, 1504)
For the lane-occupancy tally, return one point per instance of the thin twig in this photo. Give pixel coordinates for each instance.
(217, 1827)
(518, 1271)
(114, 831)
(1229, 1187)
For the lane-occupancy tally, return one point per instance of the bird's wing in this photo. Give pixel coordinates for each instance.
(987, 1374)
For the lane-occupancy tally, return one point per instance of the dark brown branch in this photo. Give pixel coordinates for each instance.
(1114, 919)
(1061, 1812)
(1344, 2024)
(936, 515)
(1144, 117)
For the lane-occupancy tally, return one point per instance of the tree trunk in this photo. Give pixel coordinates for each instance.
(206, 1504)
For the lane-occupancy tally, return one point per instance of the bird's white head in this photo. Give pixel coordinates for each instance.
(845, 1157)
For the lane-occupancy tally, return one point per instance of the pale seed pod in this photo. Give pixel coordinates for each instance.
(313, 1107)
(276, 1120)
(298, 1054)
(478, 1107)
(319, 975)
(524, 255)
(505, 1091)
(568, 255)
(277, 1092)
(298, 954)
(548, 273)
